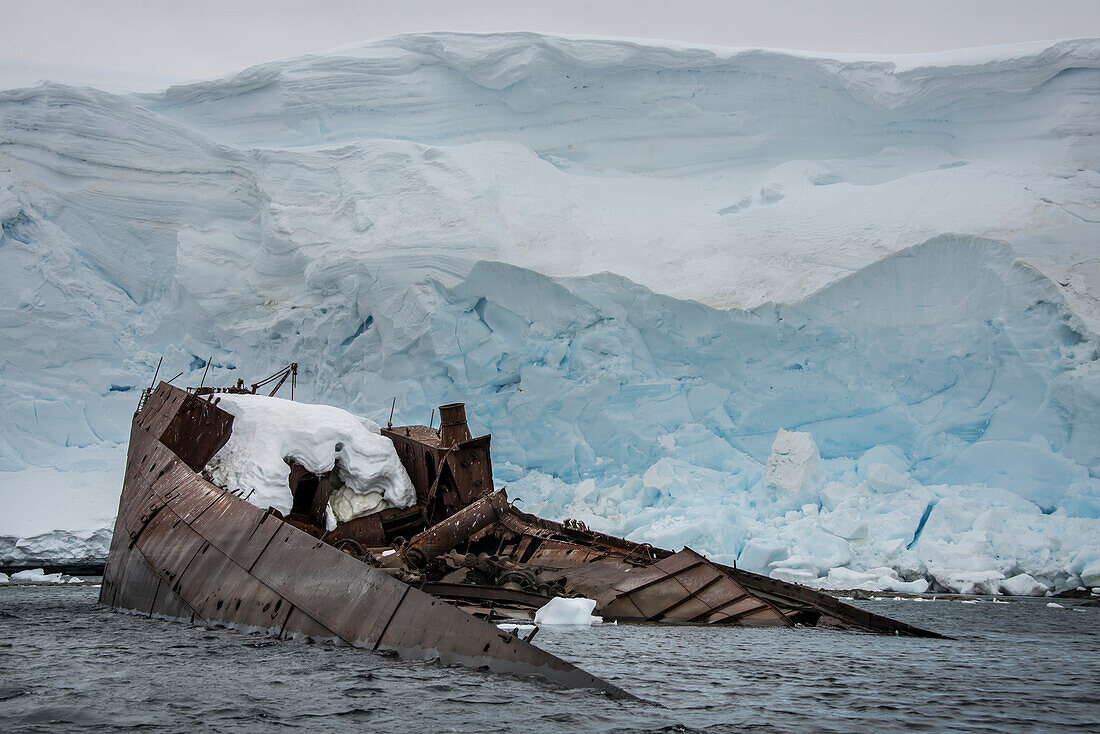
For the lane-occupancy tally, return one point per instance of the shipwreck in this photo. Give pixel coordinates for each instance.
(431, 580)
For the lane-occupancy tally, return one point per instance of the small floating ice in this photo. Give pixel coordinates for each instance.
(970, 601)
(36, 576)
(1054, 605)
(561, 611)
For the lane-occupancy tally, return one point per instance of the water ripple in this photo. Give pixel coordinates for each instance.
(69, 665)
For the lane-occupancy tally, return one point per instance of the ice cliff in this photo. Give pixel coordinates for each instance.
(832, 318)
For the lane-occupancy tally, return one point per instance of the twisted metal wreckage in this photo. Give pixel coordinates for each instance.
(184, 548)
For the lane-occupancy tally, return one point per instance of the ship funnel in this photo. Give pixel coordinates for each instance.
(452, 424)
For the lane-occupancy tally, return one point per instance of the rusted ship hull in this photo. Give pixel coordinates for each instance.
(185, 549)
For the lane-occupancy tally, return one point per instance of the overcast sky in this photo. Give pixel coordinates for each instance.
(202, 38)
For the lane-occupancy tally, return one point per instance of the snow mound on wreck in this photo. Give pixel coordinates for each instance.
(268, 432)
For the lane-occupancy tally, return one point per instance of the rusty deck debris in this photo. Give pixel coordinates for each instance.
(428, 581)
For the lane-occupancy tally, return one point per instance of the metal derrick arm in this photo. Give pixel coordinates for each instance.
(291, 371)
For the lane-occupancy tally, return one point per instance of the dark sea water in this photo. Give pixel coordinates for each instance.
(69, 665)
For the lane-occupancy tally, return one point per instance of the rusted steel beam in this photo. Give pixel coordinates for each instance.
(594, 543)
(783, 594)
(445, 535)
(484, 593)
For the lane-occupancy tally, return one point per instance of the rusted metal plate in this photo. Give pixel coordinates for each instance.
(343, 594)
(137, 585)
(593, 544)
(171, 477)
(221, 591)
(159, 409)
(485, 593)
(246, 602)
(686, 587)
(300, 624)
(782, 593)
(426, 627)
(733, 610)
(237, 529)
(191, 497)
(141, 507)
(154, 457)
(556, 554)
(168, 605)
(169, 545)
(155, 464)
(366, 532)
(197, 430)
(667, 568)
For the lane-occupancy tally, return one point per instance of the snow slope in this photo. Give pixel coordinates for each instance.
(635, 262)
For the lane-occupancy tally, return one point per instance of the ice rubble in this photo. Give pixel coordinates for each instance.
(38, 576)
(637, 264)
(562, 611)
(1023, 585)
(268, 432)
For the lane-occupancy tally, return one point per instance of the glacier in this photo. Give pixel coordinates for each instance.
(833, 319)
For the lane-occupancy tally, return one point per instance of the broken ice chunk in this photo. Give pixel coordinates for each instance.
(560, 611)
(1023, 585)
(795, 472)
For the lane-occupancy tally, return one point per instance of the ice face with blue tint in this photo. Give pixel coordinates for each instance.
(830, 319)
